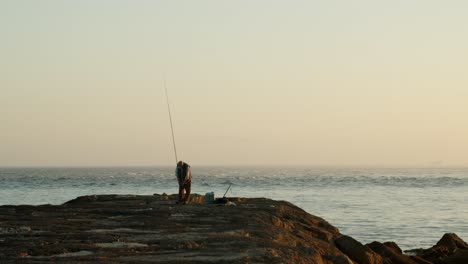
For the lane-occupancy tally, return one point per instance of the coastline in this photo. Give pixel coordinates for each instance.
(151, 228)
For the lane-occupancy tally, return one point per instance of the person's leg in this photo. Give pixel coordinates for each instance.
(181, 193)
(188, 189)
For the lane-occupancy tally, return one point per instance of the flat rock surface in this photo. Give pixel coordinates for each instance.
(152, 229)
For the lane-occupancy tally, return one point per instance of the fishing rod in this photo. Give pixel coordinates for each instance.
(224, 196)
(170, 119)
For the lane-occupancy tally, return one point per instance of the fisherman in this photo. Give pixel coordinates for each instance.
(184, 177)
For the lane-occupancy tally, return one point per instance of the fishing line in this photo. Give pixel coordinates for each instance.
(170, 119)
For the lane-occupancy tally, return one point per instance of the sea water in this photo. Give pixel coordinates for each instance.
(412, 207)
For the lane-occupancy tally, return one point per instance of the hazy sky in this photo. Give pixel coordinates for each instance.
(320, 83)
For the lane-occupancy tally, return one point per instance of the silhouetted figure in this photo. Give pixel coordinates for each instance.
(184, 177)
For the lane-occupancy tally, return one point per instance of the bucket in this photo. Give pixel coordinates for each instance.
(209, 197)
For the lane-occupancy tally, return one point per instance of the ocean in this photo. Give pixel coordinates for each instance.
(412, 207)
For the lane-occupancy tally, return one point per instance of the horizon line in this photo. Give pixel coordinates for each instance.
(316, 166)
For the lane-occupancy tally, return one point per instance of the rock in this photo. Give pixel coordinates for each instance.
(419, 260)
(459, 257)
(391, 253)
(139, 228)
(357, 252)
(24, 229)
(15, 230)
(151, 228)
(450, 249)
(451, 242)
(393, 246)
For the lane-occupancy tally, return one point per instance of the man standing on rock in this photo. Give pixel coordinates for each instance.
(184, 177)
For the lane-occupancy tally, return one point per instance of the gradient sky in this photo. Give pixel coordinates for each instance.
(319, 83)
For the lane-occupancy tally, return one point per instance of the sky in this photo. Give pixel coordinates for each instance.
(361, 83)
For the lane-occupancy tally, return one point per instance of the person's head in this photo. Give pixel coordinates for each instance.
(180, 163)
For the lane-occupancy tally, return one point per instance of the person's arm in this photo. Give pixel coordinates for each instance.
(188, 177)
(185, 177)
(177, 176)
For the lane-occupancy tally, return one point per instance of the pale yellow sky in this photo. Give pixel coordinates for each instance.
(319, 83)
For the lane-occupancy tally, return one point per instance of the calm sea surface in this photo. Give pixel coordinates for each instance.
(413, 207)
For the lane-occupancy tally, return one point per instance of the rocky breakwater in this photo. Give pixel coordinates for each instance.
(152, 229)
